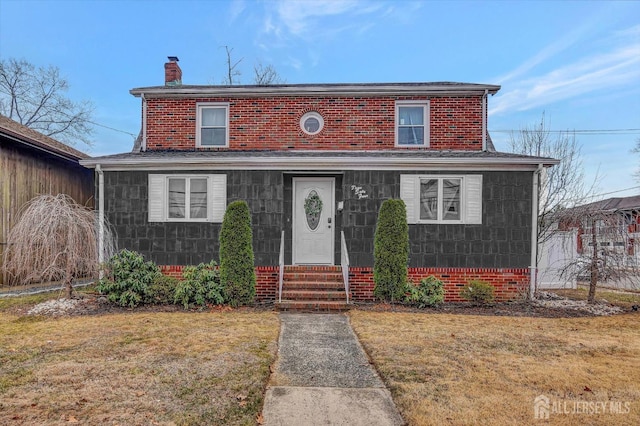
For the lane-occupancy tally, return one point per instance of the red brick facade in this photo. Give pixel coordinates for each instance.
(509, 284)
(351, 123)
(266, 280)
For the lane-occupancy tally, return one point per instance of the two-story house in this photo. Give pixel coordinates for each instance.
(316, 161)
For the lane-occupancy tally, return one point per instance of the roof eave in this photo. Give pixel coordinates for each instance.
(21, 139)
(315, 163)
(313, 90)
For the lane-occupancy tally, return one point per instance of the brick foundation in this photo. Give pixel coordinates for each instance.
(266, 284)
(172, 270)
(266, 280)
(509, 284)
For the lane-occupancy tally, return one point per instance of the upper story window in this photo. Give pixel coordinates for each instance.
(412, 123)
(212, 125)
(312, 123)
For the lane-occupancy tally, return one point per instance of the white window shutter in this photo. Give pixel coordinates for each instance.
(408, 194)
(157, 200)
(473, 199)
(218, 196)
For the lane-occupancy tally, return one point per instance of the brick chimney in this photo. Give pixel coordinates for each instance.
(172, 72)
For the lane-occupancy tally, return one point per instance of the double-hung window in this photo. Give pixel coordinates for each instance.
(212, 125)
(187, 198)
(442, 198)
(412, 123)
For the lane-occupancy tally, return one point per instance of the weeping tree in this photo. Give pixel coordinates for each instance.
(56, 239)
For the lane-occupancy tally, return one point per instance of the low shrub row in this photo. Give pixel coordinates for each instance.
(130, 281)
(391, 258)
(430, 292)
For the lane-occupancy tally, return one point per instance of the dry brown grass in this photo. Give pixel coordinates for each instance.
(471, 370)
(135, 369)
(618, 298)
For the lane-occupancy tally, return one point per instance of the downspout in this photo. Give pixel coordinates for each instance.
(144, 124)
(484, 120)
(100, 218)
(533, 269)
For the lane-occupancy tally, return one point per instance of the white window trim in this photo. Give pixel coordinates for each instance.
(470, 198)
(158, 197)
(439, 212)
(187, 199)
(204, 105)
(317, 116)
(425, 109)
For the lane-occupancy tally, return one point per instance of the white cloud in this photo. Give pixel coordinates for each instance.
(604, 70)
(236, 9)
(316, 19)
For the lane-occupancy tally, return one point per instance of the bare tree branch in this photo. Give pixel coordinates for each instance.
(606, 244)
(232, 71)
(636, 150)
(35, 97)
(562, 186)
(266, 75)
(55, 239)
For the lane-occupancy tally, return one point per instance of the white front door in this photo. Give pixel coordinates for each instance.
(313, 220)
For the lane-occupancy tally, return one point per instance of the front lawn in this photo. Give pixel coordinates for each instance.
(619, 298)
(468, 370)
(135, 368)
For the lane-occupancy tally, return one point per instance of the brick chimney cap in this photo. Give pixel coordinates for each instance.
(173, 58)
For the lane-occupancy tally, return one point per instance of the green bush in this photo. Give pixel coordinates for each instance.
(201, 285)
(429, 292)
(237, 273)
(391, 251)
(479, 292)
(162, 290)
(128, 278)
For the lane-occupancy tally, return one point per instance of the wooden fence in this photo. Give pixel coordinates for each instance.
(26, 173)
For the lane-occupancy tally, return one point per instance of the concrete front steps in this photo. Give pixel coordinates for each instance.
(313, 289)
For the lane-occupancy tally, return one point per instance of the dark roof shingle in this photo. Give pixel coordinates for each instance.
(34, 138)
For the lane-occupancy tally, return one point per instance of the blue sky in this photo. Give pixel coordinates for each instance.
(576, 61)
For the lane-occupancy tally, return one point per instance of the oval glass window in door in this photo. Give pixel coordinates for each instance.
(313, 209)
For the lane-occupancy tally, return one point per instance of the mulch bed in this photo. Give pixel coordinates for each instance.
(95, 304)
(513, 309)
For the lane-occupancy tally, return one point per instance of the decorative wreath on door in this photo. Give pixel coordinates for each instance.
(313, 204)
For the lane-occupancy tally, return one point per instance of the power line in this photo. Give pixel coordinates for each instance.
(112, 128)
(614, 192)
(577, 132)
(66, 114)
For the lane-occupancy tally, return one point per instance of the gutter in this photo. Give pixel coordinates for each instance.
(313, 162)
(484, 120)
(100, 218)
(67, 156)
(319, 90)
(144, 123)
(533, 269)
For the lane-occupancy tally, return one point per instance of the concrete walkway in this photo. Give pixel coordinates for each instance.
(323, 377)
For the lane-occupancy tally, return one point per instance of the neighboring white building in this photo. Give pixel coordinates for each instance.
(616, 223)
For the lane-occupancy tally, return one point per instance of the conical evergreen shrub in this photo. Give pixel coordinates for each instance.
(391, 251)
(237, 273)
